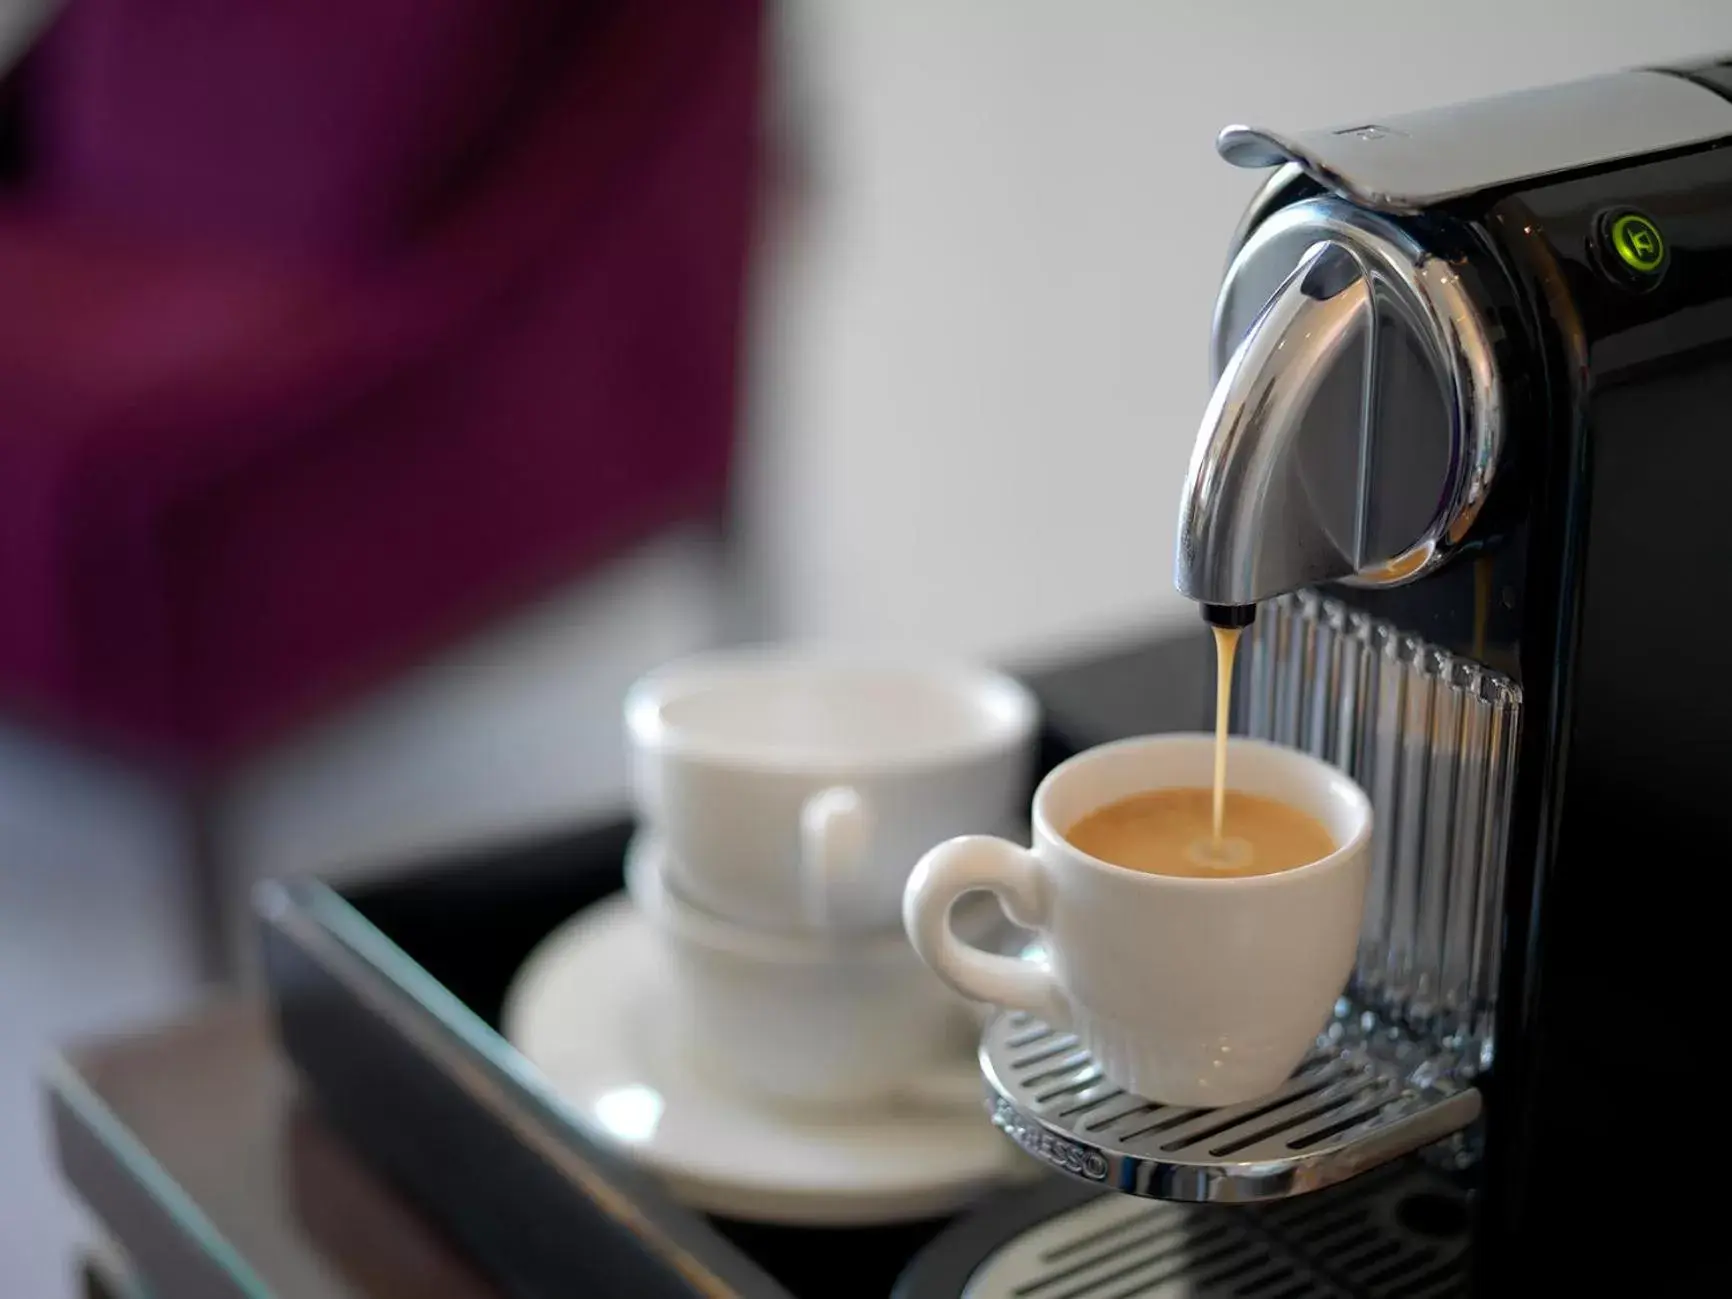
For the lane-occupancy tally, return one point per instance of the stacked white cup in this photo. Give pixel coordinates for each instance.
(784, 796)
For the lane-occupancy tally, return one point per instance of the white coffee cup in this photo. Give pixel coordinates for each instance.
(808, 1019)
(1193, 992)
(793, 788)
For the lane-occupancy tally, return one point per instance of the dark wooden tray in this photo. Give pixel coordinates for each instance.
(388, 998)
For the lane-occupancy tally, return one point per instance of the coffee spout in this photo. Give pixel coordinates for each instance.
(1231, 617)
(1275, 496)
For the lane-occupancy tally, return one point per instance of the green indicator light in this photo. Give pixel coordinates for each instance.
(1638, 243)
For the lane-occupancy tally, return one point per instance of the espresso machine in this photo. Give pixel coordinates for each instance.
(1463, 475)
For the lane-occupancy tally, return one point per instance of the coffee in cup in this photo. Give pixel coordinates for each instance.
(1194, 987)
(1171, 832)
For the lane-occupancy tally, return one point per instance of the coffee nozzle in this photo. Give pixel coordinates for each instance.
(1228, 615)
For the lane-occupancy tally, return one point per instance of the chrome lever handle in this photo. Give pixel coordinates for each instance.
(1250, 526)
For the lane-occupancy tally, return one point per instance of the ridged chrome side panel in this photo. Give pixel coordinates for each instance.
(1431, 736)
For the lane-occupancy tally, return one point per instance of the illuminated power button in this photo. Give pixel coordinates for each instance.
(1631, 247)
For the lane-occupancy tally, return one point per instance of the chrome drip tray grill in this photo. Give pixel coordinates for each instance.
(1398, 1234)
(1346, 1109)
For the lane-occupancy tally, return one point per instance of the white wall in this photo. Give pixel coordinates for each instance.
(981, 351)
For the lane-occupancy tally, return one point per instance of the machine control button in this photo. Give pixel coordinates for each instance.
(1631, 248)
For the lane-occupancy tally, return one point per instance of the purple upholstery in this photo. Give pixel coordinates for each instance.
(330, 330)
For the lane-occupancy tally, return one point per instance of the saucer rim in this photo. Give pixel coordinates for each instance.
(747, 1195)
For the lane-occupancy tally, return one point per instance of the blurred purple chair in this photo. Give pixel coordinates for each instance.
(332, 330)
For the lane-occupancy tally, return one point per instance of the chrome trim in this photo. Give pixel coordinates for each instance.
(1254, 520)
(1412, 161)
(1286, 184)
(1350, 1106)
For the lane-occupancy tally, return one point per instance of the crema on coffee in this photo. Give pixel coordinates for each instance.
(1171, 832)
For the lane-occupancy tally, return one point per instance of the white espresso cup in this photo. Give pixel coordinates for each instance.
(1195, 992)
(793, 788)
(809, 1019)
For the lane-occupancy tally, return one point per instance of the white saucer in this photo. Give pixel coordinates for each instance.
(584, 1010)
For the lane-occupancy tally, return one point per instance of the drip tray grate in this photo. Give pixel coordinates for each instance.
(1402, 1231)
(1344, 1110)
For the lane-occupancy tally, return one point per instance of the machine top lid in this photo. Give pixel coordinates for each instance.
(1412, 161)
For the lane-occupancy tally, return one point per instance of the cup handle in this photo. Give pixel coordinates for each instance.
(835, 833)
(1018, 879)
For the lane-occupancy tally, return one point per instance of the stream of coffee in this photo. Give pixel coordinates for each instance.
(1226, 646)
(1183, 831)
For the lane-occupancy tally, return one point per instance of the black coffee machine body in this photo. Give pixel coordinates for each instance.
(1469, 458)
